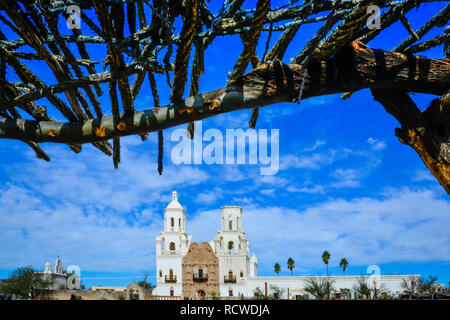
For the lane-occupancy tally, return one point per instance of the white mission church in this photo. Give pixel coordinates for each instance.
(224, 266)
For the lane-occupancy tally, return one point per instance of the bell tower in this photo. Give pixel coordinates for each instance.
(171, 246)
(174, 216)
(232, 249)
(231, 239)
(58, 266)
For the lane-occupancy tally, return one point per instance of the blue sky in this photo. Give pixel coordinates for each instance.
(345, 184)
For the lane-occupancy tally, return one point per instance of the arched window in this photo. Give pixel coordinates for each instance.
(171, 273)
(172, 246)
(230, 245)
(179, 223)
(242, 274)
(171, 292)
(160, 273)
(172, 222)
(230, 224)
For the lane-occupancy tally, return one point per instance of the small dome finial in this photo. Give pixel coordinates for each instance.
(174, 204)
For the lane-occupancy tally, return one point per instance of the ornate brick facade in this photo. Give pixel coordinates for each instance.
(200, 270)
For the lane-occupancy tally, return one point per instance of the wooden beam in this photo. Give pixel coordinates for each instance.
(426, 132)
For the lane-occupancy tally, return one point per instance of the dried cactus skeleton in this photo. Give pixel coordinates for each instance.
(140, 39)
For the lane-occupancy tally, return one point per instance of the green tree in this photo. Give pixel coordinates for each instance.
(319, 287)
(325, 258)
(27, 283)
(277, 268)
(378, 290)
(277, 292)
(343, 264)
(214, 296)
(345, 293)
(362, 288)
(410, 286)
(146, 285)
(427, 285)
(291, 265)
(259, 294)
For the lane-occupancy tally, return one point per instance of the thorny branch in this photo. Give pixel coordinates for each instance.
(142, 38)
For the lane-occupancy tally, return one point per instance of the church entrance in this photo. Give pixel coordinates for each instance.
(135, 292)
(200, 272)
(134, 295)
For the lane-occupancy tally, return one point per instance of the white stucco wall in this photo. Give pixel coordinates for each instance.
(296, 284)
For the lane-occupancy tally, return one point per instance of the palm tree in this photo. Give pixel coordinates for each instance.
(277, 268)
(343, 264)
(326, 257)
(427, 285)
(290, 264)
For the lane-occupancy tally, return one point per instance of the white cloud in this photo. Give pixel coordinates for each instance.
(372, 158)
(33, 232)
(423, 175)
(268, 192)
(80, 207)
(319, 101)
(313, 189)
(317, 160)
(209, 197)
(376, 144)
(314, 161)
(347, 178)
(244, 200)
(306, 159)
(316, 145)
(232, 120)
(89, 179)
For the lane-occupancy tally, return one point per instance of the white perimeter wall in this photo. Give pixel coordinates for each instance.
(296, 284)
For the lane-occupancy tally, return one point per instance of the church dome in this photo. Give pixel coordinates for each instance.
(174, 204)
